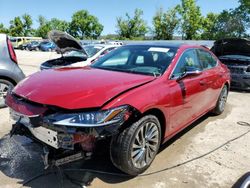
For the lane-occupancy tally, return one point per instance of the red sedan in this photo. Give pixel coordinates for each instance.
(137, 96)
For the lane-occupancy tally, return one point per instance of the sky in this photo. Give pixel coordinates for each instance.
(105, 10)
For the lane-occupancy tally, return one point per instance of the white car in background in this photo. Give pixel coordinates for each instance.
(73, 53)
(115, 43)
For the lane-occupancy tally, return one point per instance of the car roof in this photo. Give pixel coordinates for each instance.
(102, 45)
(158, 44)
(165, 44)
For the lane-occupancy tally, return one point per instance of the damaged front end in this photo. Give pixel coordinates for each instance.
(65, 135)
(240, 71)
(235, 54)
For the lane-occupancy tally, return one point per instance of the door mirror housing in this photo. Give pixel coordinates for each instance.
(190, 71)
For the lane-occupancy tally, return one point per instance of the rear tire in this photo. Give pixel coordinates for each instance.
(5, 86)
(221, 102)
(134, 149)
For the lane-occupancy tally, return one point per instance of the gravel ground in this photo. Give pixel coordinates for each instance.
(20, 158)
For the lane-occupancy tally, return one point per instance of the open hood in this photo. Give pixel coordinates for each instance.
(65, 42)
(231, 46)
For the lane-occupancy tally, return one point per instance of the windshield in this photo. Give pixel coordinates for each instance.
(75, 54)
(45, 43)
(34, 42)
(91, 50)
(139, 59)
(13, 40)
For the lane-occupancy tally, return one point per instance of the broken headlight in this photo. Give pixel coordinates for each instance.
(92, 119)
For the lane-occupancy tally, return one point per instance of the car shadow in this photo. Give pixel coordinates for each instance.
(184, 131)
(20, 158)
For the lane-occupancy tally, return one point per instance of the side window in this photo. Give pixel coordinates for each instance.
(187, 60)
(206, 59)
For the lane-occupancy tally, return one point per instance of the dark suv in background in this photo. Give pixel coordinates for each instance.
(235, 54)
(10, 73)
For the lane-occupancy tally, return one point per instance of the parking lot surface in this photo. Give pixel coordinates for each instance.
(191, 159)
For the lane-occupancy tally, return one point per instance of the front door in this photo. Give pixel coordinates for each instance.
(187, 94)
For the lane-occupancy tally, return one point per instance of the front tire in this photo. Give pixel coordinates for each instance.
(5, 86)
(221, 103)
(134, 149)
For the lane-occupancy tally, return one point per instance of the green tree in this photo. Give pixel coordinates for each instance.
(134, 27)
(165, 24)
(44, 27)
(84, 25)
(3, 29)
(209, 27)
(57, 24)
(27, 23)
(245, 5)
(231, 23)
(16, 27)
(191, 19)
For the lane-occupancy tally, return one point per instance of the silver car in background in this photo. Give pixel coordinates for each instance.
(10, 73)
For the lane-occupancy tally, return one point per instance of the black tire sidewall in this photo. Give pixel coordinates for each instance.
(124, 162)
(217, 110)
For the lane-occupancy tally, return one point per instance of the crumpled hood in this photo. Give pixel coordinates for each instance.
(77, 88)
(231, 46)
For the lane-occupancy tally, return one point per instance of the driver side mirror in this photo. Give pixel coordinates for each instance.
(190, 71)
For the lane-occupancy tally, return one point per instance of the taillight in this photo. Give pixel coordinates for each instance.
(11, 51)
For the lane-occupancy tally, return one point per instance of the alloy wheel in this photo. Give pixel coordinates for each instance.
(145, 145)
(223, 99)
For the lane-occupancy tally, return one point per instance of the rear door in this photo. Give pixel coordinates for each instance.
(187, 94)
(212, 75)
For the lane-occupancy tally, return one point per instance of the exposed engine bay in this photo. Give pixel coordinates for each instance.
(62, 62)
(240, 71)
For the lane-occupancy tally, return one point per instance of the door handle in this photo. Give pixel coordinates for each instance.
(220, 74)
(202, 82)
